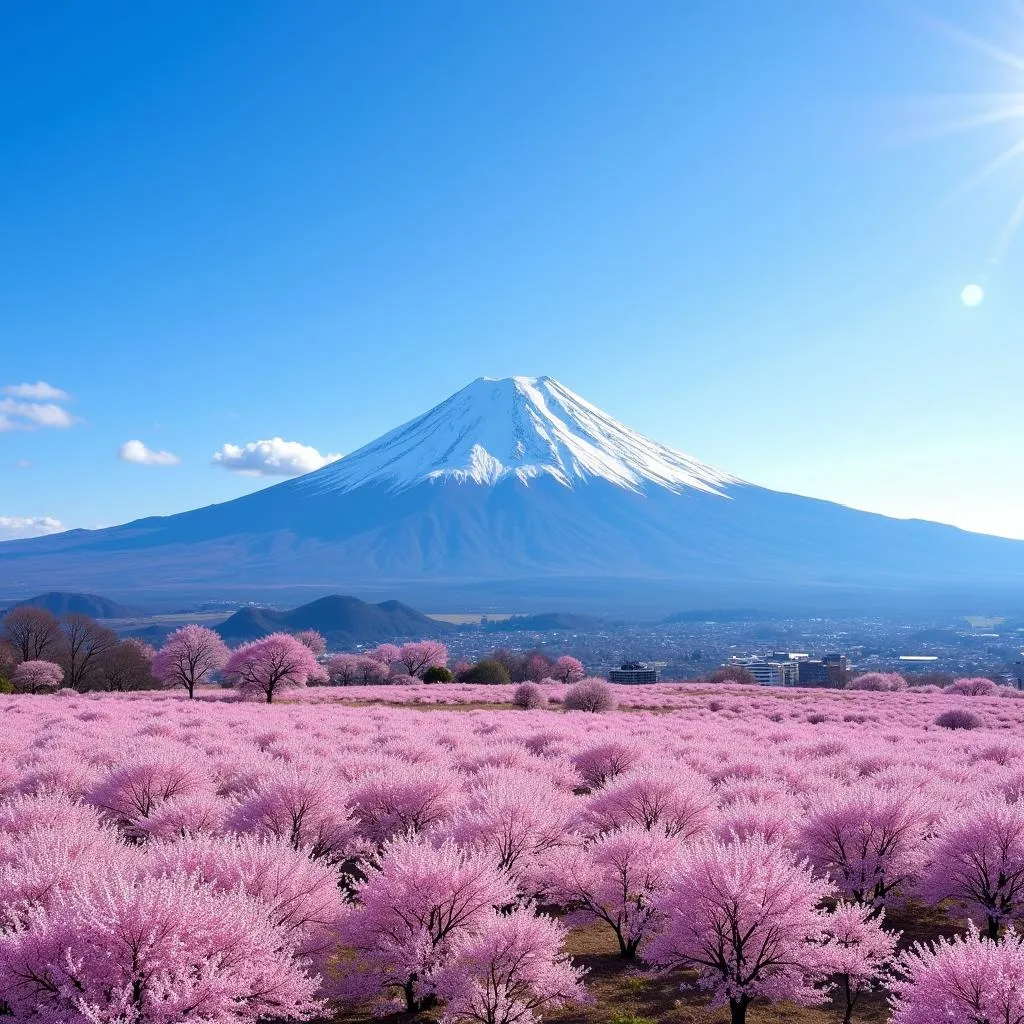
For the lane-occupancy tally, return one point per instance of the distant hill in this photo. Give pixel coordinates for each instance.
(60, 603)
(545, 621)
(154, 635)
(342, 620)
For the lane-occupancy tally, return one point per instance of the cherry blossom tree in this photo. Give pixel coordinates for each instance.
(617, 880)
(346, 669)
(141, 784)
(516, 818)
(508, 971)
(193, 814)
(858, 952)
(958, 718)
(313, 640)
(48, 845)
(877, 681)
(776, 820)
(413, 906)
(978, 860)
(868, 841)
(305, 808)
(567, 669)
(402, 798)
(746, 918)
(33, 676)
(153, 950)
(976, 686)
(528, 696)
(270, 665)
(536, 667)
(386, 654)
(190, 657)
(593, 695)
(655, 796)
(300, 896)
(419, 656)
(603, 761)
(147, 650)
(965, 979)
(373, 671)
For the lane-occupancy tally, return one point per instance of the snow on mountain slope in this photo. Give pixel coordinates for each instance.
(520, 487)
(516, 427)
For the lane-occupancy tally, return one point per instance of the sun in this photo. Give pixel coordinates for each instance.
(973, 295)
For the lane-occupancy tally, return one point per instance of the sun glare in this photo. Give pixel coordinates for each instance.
(989, 110)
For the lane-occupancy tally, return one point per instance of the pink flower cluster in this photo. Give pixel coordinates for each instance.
(165, 859)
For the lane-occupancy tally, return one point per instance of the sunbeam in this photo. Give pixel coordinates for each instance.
(991, 109)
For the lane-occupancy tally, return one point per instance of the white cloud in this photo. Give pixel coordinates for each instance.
(15, 415)
(23, 464)
(39, 390)
(275, 457)
(28, 526)
(137, 452)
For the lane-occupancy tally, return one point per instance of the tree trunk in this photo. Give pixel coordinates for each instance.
(738, 1010)
(848, 1014)
(992, 931)
(627, 950)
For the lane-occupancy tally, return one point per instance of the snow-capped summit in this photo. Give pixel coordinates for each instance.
(518, 490)
(517, 427)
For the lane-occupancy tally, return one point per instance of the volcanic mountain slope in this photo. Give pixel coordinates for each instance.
(520, 480)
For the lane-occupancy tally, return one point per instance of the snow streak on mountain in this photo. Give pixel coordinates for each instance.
(522, 427)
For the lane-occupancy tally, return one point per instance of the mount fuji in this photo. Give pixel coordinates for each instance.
(520, 489)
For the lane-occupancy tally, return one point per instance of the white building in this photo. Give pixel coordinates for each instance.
(774, 670)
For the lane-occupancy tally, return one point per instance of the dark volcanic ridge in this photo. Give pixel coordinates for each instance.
(61, 603)
(343, 621)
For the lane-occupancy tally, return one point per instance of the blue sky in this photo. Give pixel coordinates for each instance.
(735, 226)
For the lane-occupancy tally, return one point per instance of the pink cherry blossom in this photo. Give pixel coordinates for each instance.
(978, 860)
(745, 916)
(617, 879)
(271, 665)
(965, 979)
(567, 669)
(190, 657)
(153, 950)
(654, 796)
(32, 676)
(418, 657)
(858, 951)
(412, 909)
(508, 971)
